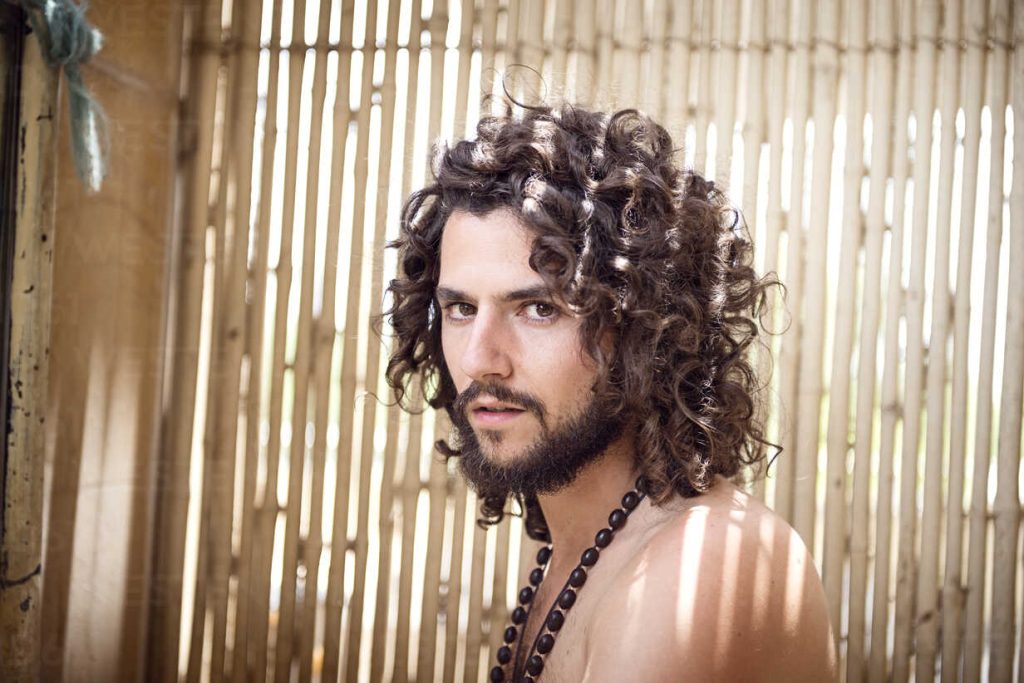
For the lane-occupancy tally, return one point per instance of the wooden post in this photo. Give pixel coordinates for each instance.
(29, 119)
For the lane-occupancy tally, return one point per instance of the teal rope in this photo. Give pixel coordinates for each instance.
(68, 40)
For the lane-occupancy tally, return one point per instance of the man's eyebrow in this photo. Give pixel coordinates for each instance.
(535, 292)
(449, 294)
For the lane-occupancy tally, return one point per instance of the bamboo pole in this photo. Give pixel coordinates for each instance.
(656, 72)
(677, 79)
(373, 346)
(924, 91)
(789, 372)
(927, 617)
(248, 552)
(31, 290)
(997, 77)
(727, 28)
(561, 44)
(302, 363)
(1013, 392)
(825, 67)
(701, 28)
(246, 25)
(530, 46)
(349, 379)
(411, 486)
(454, 594)
(176, 447)
(426, 653)
(498, 611)
(753, 127)
(410, 482)
(775, 20)
(626, 54)
(488, 42)
(582, 85)
(324, 337)
(474, 638)
(386, 516)
(891, 408)
(604, 87)
(453, 605)
(511, 50)
(953, 593)
(209, 517)
(378, 651)
(269, 508)
(882, 64)
(838, 437)
(467, 21)
(1006, 507)
(1014, 358)
(437, 485)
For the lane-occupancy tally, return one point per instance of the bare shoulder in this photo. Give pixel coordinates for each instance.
(722, 590)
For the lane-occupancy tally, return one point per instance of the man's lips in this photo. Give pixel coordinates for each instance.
(494, 413)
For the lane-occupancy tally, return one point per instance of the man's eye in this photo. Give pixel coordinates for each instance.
(541, 309)
(459, 310)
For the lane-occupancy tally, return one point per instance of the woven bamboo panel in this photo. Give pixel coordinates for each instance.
(871, 147)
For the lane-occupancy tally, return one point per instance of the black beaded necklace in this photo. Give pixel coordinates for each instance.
(545, 639)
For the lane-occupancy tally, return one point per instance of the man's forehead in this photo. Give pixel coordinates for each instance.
(491, 251)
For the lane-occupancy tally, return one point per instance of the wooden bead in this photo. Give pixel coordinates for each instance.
(589, 557)
(504, 654)
(518, 616)
(510, 634)
(630, 500)
(556, 620)
(617, 519)
(545, 643)
(543, 555)
(525, 595)
(536, 576)
(603, 538)
(534, 665)
(567, 599)
(497, 674)
(578, 577)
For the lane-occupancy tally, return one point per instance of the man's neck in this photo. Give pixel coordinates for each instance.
(576, 513)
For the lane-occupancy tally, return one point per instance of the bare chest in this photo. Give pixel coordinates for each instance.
(566, 660)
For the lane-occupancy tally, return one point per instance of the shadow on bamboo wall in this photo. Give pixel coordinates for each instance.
(301, 528)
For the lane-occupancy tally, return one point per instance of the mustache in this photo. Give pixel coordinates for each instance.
(503, 394)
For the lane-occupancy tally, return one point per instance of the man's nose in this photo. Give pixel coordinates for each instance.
(486, 354)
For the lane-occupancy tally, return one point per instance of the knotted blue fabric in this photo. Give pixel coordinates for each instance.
(68, 41)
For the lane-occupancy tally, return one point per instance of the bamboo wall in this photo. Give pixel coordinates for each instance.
(307, 530)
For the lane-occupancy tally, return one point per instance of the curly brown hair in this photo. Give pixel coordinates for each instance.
(639, 247)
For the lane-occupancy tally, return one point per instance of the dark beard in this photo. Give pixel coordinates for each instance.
(550, 464)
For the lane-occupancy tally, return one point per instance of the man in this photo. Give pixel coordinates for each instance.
(580, 307)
